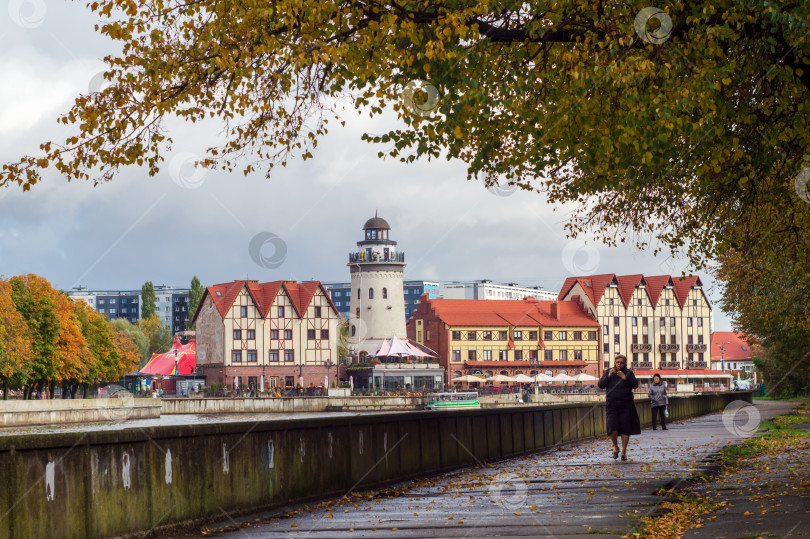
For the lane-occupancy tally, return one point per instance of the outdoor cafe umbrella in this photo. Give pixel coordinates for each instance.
(582, 377)
(523, 379)
(563, 378)
(469, 378)
(500, 378)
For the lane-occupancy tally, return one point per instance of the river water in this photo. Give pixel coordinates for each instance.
(170, 420)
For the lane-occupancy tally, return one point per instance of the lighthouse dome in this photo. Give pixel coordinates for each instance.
(376, 223)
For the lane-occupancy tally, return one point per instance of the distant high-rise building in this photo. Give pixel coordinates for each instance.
(171, 304)
(486, 289)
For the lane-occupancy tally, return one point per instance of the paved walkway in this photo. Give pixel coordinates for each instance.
(572, 491)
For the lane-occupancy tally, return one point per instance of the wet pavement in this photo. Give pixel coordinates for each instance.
(572, 491)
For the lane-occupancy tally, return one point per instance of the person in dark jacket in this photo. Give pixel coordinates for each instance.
(620, 410)
(658, 400)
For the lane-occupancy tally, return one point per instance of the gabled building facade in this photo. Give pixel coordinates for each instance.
(509, 337)
(659, 323)
(276, 334)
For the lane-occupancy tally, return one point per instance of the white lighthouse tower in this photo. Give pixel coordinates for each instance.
(378, 300)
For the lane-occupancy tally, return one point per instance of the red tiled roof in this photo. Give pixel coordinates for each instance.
(524, 364)
(655, 285)
(627, 285)
(527, 312)
(737, 348)
(264, 294)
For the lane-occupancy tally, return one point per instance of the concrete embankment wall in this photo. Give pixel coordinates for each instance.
(290, 405)
(106, 483)
(47, 412)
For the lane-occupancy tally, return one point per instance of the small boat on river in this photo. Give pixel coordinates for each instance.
(452, 401)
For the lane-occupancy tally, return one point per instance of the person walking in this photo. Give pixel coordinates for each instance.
(620, 410)
(658, 401)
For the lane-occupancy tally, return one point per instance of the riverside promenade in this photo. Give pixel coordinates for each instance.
(573, 490)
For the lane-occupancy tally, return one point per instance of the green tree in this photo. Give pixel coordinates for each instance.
(133, 332)
(158, 333)
(684, 128)
(194, 297)
(147, 300)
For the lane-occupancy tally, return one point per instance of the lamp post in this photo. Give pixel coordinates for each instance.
(328, 370)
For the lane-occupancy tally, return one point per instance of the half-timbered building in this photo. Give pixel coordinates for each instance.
(265, 335)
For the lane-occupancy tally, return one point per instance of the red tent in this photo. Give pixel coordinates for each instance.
(164, 363)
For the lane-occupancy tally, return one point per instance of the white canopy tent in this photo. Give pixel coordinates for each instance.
(583, 377)
(562, 378)
(523, 379)
(500, 378)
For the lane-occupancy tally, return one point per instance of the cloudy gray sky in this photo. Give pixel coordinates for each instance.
(187, 222)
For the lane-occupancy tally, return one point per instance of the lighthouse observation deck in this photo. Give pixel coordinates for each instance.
(376, 256)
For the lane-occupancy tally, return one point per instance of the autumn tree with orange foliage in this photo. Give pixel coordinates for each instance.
(15, 342)
(71, 345)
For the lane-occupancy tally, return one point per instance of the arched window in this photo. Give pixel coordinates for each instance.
(385, 293)
(505, 373)
(357, 312)
(358, 293)
(354, 330)
(533, 373)
(370, 293)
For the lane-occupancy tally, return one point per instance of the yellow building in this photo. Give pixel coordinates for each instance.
(490, 337)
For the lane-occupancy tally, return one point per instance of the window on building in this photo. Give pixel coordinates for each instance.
(578, 355)
(236, 356)
(102, 311)
(288, 334)
(471, 336)
(666, 302)
(456, 355)
(385, 293)
(646, 356)
(354, 330)
(591, 335)
(487, 355)
(611, 301)
(606, 348)
(324, 334)
(690, 357)
(635, 339)
(700, 338)
(577, 335)
(502, 335)
(251, 334)
(471, 355)
(358, 293)
(357, 312)
(237, 334)
(700, 322)
(487, 335)
(689, 321)
(281, 311)
(662, 322)
(635, 358)
(518, 335)
(289, 355)
(638, 302)
(645, 339)
(562, 335)
(605, 330)
(274, 334)
(644, 321)
(273, 356)
(456, 335)
(532, 335)
(615, 320)
(370, 293)
(548, 355)
(546, 335)
(518, 355)
(112, 311)
(616, 339)
(700, 357)
(503, 355)
(317, 312)
(563, 355)
(634, 321)
(689, 339)
(672, 321)
(242, 311)
(252, 356)
(310, 334)
(166, 309)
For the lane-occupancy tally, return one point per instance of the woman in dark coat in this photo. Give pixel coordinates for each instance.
(620, 410)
